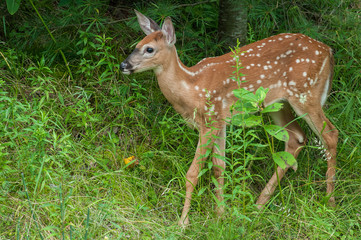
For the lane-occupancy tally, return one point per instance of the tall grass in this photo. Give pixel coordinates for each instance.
(65, 139)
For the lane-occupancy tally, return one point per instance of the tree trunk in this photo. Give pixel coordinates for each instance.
(232, 21)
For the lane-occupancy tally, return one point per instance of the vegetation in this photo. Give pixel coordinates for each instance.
(66, 129)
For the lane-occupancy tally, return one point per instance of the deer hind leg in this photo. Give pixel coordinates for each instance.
(219, 166)
(297, 139)
(206, 141)
(328, 135)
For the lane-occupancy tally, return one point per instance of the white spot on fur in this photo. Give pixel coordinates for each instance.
(185, 85)
(292, 83)
(317, 52)
(290, 69)
(259, 81)
(224, 103)
(303, 98)
(304, 74)
(196, 88)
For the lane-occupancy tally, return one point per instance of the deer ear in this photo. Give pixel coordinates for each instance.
(168, 31)
(146, 24)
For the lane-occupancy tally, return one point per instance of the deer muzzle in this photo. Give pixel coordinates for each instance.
(126, 67)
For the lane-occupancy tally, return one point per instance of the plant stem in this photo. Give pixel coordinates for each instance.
(270, 144)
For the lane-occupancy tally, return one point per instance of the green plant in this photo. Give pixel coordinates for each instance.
(249, 115)
(13, 6)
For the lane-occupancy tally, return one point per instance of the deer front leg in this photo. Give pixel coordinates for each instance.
(205, 141)
(191, 182)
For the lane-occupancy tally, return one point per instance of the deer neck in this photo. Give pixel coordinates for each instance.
(174, 80)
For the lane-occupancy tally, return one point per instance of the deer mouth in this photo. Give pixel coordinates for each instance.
(126, 68)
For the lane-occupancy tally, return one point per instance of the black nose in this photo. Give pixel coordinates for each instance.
(123, 66)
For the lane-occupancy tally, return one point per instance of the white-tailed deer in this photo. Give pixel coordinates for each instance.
(298, 71)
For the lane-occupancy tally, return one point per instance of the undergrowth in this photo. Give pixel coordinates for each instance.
(63, 139)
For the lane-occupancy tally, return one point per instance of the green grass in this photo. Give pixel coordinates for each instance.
(65, 140)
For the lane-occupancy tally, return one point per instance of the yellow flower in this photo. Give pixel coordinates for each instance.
(129, 160)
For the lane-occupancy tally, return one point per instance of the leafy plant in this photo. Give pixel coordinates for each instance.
(13, 6)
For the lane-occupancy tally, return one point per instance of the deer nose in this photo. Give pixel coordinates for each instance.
(123, 66)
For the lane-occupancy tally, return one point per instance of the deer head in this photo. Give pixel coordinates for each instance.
(153, 50)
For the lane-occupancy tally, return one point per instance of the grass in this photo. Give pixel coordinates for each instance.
(63, 141)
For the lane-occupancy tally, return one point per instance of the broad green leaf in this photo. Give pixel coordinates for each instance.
(13, 6)
(283, 158)
(245, 107)
(245, 95)
(261, 94)
(246, 120)
(275, 107)
(278, 132)
(252, 121)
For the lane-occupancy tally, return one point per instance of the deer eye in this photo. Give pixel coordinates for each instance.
(150, 50)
